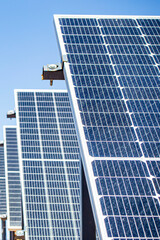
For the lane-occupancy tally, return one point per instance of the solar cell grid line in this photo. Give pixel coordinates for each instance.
(13, 185)
(3, 207)
(49, 157)
(113, 84)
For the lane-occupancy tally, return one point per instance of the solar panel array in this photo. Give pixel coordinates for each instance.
(50, 166)
(14, 208)
(113, 79)
(3, 208)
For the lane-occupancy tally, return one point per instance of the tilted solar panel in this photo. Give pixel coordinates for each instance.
(3, 207)
(14, 201)
(50, 166)
(112, 75)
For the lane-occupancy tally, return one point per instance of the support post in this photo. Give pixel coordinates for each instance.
(11, 235)
(88, 224)
(3, 230)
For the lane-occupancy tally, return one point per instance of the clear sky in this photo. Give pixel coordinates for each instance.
(28, 41)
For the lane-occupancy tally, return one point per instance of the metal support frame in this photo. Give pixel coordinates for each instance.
(11, 114)
(52, 72)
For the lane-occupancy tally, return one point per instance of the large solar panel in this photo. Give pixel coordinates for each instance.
(3, 207)
(13, 184)
(111, 67)
(50, 166)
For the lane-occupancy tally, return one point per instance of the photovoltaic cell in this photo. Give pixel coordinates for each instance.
(112, 76)
(14, 201)
(49, 156)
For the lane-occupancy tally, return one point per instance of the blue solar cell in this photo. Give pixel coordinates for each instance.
(151, 31)
(120, 168)
(117, 22)
(128, 49)
(78, 21)
(155, 49)
(124, 40)
(133, 59)
(153, 40)
(148, 22)
(120, 31)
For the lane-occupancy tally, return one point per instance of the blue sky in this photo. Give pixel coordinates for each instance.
(28, 41)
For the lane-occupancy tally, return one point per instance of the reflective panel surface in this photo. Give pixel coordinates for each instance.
(50, 165)
(113, 79)
(14, 208)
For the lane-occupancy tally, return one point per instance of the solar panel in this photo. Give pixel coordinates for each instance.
(112, 75)
(3, 207)
(50, 166)
(14, 208)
